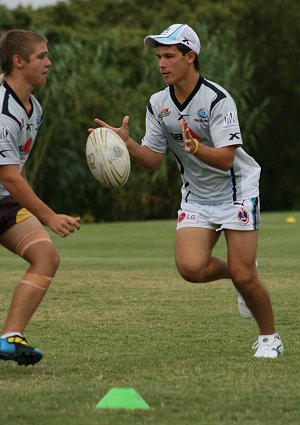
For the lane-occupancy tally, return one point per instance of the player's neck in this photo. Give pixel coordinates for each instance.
(22, 90)
(185, 87)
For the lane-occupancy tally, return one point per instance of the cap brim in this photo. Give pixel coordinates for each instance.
(151, 41)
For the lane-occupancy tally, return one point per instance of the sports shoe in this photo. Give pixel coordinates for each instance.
(242, 307)
(16, 348)
(268, 346)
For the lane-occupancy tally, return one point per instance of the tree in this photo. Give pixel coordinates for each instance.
(271, 35)
(100, 68)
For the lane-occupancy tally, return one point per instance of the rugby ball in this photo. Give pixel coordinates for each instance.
(107, 157)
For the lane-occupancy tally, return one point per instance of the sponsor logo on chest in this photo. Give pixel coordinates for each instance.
(165, 112)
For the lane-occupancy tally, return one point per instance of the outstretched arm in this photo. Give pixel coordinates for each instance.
(18, 187)
(141, 154)
(221, 158)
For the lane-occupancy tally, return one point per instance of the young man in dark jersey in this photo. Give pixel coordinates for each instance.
(197, 119)
(25, 64)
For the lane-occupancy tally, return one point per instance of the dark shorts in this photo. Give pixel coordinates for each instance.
(11, 213)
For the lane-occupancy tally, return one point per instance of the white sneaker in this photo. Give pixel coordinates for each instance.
(268, 346)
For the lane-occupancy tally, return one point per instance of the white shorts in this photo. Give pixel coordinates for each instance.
(235, 216)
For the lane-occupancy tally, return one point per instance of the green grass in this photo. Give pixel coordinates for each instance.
(119, 315)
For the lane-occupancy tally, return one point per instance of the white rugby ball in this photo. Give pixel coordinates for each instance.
(107, 157)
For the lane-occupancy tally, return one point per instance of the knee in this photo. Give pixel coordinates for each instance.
(45, 262)
(38, 250)
(243, 280)
(190, 273)
(54, 260)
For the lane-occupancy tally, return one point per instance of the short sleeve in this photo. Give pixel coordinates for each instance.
(224, 124)
(155, 137)
(9, 151)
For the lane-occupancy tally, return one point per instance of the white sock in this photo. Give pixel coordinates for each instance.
(8, 334)
(266, 336)
(262, 337)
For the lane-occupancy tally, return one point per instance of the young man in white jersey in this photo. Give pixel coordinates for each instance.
(25, 63)
(197, 119)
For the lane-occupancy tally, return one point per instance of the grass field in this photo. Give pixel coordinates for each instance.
(119, 315)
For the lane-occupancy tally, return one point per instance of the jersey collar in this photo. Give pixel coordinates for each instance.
(182, 106)
(14, 95)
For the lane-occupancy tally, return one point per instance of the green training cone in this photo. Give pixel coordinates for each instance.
(122, 398)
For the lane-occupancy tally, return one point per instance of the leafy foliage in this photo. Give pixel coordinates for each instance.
(100, 69)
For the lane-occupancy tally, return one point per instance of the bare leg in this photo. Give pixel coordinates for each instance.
(242, 248)
(193, 255)
(44, 261)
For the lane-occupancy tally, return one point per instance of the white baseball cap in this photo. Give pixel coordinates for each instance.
(175, 34)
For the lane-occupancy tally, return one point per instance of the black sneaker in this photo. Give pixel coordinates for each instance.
(16, 348)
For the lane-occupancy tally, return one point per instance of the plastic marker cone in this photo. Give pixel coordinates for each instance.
(291, 220)
(122, 398)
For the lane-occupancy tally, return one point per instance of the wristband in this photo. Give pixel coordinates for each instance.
(196, 147)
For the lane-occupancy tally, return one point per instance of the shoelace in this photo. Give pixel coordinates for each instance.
(16, 339)
(264, 344)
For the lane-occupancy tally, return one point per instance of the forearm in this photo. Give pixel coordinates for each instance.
(144, 155)
(220, 158)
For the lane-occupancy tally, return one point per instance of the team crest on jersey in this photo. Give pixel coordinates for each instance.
(164, 113)
(243, 216)
(201, 114)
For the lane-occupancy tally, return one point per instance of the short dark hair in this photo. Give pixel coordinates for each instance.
(184, 50)
(17, 42)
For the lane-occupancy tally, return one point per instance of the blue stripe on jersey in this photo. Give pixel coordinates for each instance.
(220, 94)
(233, 179)
(254, 211)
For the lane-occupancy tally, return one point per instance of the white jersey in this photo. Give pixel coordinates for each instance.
(211, 115)
(18, 130)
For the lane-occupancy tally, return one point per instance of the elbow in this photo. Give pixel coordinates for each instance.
(227, 163)
(227, 167)
(152, 163)
(151, 167)
(8, 183)
(227, 158)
